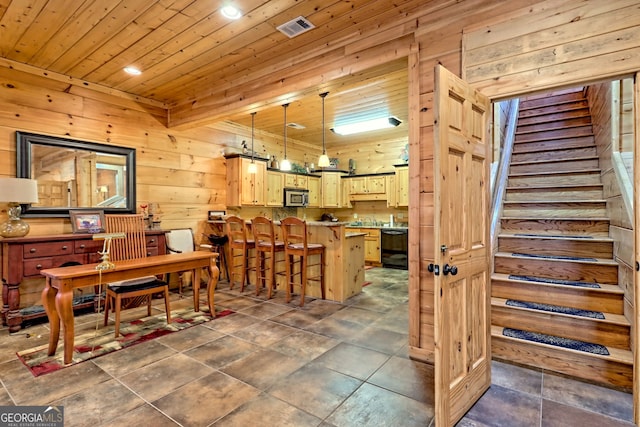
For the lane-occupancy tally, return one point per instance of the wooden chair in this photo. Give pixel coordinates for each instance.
(239, 247)
(180, 241)
(133, 246)
(294, 231)
(266, 249)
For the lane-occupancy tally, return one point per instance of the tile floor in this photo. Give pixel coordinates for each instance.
(276, 364)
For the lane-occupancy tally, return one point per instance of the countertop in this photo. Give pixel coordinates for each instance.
(382, 227)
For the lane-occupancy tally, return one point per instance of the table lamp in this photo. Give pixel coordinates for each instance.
(15, 191)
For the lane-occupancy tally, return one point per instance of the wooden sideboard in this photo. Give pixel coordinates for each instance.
(24, 257)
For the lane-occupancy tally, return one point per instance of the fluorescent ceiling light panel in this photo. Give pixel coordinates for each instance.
(366, 126)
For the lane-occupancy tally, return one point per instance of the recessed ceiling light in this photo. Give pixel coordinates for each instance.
(230, 12)
(132, 70)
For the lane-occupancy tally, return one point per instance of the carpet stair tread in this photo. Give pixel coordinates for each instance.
(615, 354)
(601, 287)
(562, 311)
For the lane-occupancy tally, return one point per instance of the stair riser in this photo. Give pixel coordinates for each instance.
(567, 296)
(541, 212)
(555, 134)
(555, 101)
(557, 247)
(554, 155)
(559, 166)
(526, 195)
(551, 116)
(552, 269)
(556, 226)
(577, 328)
(584, 366)
(573, 178)
(527, 113)
(543, 127)
(554, 144)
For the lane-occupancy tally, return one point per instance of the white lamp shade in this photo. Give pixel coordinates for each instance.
(253, 168)
(18, 190)
(285, 165)
(323, 161)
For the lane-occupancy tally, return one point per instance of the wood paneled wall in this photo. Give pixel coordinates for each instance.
(621, 226)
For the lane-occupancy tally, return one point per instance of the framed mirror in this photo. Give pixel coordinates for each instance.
(75, 174)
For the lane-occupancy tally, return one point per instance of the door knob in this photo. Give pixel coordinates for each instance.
(434, 268)
(449, 269)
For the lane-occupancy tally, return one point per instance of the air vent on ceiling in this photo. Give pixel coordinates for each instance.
(295, 126)
(296, 26)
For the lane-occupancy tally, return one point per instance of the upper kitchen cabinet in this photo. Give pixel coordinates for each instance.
(275, 196)
(244, 188)
(368, 187)
(313, 184)
(402, 186)
(331, 190)
(292, 180)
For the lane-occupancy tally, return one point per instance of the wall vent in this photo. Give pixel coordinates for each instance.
(295, 27)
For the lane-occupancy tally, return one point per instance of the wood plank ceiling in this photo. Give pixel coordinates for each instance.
(187, 51)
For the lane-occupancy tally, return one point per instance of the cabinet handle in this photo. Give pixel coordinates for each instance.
(64, 247)
(39, 267)
(32, 250)
(152, 241)
(82, 246)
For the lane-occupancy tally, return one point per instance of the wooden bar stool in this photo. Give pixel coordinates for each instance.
(266, 249)
(294, 231)
(239, 247)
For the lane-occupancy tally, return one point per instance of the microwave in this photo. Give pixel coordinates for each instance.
(295, 197)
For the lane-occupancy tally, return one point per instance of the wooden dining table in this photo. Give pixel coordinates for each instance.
(57, 296)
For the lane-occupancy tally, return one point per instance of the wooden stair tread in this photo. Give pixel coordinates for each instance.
(559, 201)
(537, 218)
(548, 173)
(615, 354)
(611, 318)
(554, 187)
(568, 237)
(600, 261)
(557, 160)
(604, 288)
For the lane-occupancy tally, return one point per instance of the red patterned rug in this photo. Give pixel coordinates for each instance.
(90, 344)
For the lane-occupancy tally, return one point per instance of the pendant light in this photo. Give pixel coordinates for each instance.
(252, 166)
(323, 161)
(285, 164)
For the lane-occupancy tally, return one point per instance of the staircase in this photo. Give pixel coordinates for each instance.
(556, 303)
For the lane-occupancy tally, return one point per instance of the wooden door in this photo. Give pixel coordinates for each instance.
(461, 238)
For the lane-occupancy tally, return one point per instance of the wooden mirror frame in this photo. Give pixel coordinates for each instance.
(25, 141)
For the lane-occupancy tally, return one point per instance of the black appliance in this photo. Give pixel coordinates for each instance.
(394, 248)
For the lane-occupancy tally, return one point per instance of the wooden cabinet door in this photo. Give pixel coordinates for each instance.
(274, 189)
(402, 186)
(313, 184)
(253, 184)
(331, 190)
(358, 185)
(376, 184)
(345, 197)
(461, 240)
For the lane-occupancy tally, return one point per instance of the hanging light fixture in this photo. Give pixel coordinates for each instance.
(252, 166)
(323, 161)
(285, 164)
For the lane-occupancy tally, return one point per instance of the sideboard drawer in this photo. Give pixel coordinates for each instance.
(33, 266)
(152, 242)
(88, 246)
(44, 249)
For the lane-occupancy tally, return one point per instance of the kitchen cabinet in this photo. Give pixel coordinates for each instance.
(244, 188)
(314, 186)
(292, 180)
(368, 187)
(402, 186)
(331, 190)
(371, 244)
(345, 197)
(275, 182)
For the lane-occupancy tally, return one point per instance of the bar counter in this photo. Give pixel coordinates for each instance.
(344, 260)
